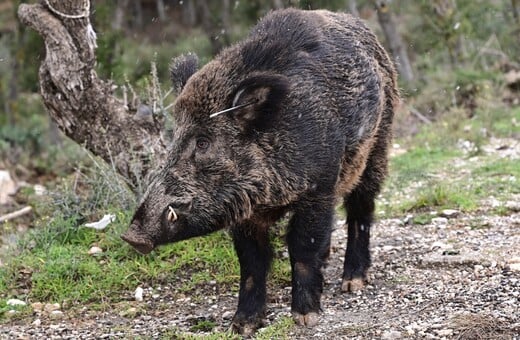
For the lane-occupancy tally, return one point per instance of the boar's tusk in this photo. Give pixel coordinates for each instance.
(233, 108)
(172, 215)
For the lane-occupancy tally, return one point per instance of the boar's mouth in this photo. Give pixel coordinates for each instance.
(140, 242)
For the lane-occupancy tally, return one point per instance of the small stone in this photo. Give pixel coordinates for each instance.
(408, 219)
(227, 315)
(95, 250)
(390, 335)
(513, 206)
(130, 312)
(478, 268)
(439, 245)
(16, 302)
(450, 213)
(37, 306)
(50, 307)
(440, 220)
(39, 190)
(138, 294)
(514, 259)
(514, 267)
(37, 322)
(445, 332)
(56, 314)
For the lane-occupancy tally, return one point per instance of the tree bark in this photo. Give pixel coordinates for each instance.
(393, 39)
(277, 4)
(516, 10)
(189, 15)
(120, 15)
(161, 10)
(214, 27)
(83, 106)
(352, 8)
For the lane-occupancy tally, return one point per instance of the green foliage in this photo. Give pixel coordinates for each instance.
(278, 330)
(437, 171)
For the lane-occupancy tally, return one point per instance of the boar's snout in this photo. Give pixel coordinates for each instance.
(137, 239)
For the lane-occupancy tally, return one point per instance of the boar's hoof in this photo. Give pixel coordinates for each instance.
(352, 285)
(310, 319)
(246, 328)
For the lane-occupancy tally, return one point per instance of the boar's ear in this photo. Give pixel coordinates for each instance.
(181, 69)
(262, 97)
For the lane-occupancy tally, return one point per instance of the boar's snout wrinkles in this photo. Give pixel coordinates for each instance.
(301, 113)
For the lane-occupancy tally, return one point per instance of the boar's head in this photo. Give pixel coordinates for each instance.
(217, 169)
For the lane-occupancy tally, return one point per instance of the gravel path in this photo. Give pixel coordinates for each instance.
(456, 278)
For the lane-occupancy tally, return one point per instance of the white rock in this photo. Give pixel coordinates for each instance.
(513, 206)
(138, 294)
(445, 332)
(37, 306)
(102, 223)
(440, 220)
(439, 245)
(95, 250)
(7, 187)
(449, 213)
(37, 322)
(227, 315)
(16, 302)
(390, 335)
(56, 314)
(51, 307)
(514, 267)
(39, 190)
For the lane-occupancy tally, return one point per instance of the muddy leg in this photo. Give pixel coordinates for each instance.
(360, 211)
(360, 205)
(254, 255)
(308, 239)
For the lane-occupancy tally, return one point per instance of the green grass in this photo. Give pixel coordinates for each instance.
(61, 268)
(437, 173)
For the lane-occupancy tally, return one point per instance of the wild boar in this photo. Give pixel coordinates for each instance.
(285, 122)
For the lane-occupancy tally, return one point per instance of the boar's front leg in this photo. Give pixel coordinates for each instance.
(308, 239)
(254, 254)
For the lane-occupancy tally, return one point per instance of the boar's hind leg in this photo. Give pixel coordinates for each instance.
(360, 205)
(308, 239)
(254, 254)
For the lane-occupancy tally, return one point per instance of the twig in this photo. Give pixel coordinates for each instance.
(15, 214)
(419, 115)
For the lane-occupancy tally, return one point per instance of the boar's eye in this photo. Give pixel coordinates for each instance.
(202, 143)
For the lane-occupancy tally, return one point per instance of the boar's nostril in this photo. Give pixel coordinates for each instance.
(140, 243)
(172, 215)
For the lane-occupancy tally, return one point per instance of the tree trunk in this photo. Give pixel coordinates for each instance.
(277, 4)
(189, 16)
(394, 41)
(516, 10)
(214, 28)
(161, 10)
(82, 105)
(120, 15)
(138, 8)
(352, 8)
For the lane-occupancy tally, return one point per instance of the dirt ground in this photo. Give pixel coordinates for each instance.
(455, 278)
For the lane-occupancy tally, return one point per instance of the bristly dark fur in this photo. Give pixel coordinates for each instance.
(181, 69)
(323, 94)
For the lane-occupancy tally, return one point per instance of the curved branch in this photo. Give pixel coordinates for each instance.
(84, 106)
